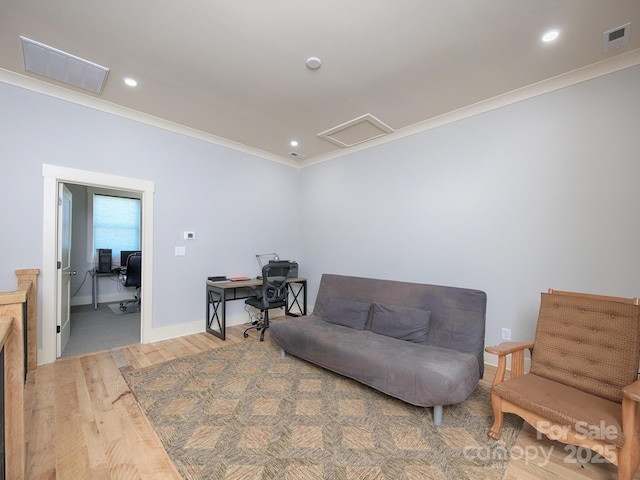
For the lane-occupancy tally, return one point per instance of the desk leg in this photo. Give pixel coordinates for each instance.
(295, 301)
(304, 297)
(94, 290)
(216, 311)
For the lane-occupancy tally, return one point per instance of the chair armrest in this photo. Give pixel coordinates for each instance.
(517, 359)
(632, 391)
(505, 348)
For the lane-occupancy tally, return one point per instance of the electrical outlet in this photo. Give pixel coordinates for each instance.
(506, 334)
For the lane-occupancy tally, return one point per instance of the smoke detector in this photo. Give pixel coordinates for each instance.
(313, 63)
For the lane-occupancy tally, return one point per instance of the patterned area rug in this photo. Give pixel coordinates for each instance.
(242, 412)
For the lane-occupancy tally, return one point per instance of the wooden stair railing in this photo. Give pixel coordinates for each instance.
(18, 343)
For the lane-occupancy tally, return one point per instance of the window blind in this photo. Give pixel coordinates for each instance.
(116, 223)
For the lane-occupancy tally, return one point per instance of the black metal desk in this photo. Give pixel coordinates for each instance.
(219, 293)
(94, 282)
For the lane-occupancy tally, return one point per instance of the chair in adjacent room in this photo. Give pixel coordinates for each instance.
(272, 294)
(582, 388)
(133, 278)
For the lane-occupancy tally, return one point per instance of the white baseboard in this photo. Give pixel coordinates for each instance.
(88, 299)
(197, 326)
(191, 328)
(84, 300)
(172, 331)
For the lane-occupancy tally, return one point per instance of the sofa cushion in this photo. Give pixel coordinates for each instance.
(348, 313)
(403, 323)
(565, 405)
(423, 375)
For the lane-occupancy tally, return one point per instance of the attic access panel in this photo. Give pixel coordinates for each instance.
(359, 130)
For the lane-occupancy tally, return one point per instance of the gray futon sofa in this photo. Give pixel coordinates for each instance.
(420, 343)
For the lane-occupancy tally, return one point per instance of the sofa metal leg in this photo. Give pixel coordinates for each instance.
(437, 415)
(282, 353)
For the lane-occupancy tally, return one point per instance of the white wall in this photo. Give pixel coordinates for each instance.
(540, 194)
(220, 194)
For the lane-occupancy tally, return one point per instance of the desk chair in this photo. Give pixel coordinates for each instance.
(133, 278)
(272, 294)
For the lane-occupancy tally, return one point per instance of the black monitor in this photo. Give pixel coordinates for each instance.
(124, 254)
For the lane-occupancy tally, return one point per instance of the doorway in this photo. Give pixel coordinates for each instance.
(53, 177)
(97, 320)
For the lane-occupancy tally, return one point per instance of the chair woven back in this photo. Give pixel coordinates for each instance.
(588, 343)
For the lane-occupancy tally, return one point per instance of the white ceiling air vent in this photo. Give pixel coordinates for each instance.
(359, 130)
(296, 154)
(64, 67)
(616, 38)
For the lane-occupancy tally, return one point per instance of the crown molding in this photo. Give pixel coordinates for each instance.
(614, 64)
(610, 65)
(52, 90)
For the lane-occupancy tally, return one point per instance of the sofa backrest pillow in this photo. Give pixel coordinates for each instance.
(403, 323)
(348, 313)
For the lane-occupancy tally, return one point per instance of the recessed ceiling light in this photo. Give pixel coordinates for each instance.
(131, 82)
(550, 36)
(294, 143)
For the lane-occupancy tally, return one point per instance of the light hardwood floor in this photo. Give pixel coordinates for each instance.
(82, 421)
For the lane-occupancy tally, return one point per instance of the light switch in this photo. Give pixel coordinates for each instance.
(180, 251)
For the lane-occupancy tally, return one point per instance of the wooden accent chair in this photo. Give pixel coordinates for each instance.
(582, 388)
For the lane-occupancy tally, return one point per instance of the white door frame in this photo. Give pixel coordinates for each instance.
(52, 176)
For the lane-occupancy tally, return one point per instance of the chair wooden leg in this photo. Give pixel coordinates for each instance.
(498, 416)
(629, 454)
(623, 471)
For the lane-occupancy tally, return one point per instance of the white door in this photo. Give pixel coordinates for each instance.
(65, 273)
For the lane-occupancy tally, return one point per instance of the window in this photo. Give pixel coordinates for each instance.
(116, 223)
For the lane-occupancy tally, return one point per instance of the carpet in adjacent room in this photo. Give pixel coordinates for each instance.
(101, 329)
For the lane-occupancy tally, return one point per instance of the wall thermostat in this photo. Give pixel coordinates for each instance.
(189, 235)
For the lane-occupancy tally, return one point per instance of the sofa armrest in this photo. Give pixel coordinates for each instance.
(516, 350)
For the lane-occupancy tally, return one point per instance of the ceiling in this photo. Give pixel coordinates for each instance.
(234, 72)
